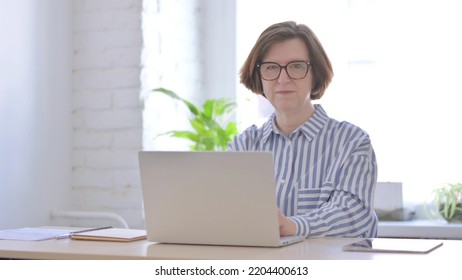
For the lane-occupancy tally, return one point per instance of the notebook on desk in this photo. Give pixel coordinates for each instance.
(211, 198)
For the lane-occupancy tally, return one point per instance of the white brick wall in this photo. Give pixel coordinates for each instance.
(107, 112)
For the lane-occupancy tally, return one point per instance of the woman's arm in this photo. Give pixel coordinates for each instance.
(346, 206)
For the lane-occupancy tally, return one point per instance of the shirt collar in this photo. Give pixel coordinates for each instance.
(310, 128)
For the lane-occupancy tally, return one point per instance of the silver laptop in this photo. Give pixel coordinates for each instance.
(211, 198)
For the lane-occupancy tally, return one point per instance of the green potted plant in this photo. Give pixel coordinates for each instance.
(448, 202)
(212, 130)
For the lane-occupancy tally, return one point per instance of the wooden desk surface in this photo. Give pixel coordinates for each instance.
(311, 249)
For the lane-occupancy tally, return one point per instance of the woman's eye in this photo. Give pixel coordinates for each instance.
(271, 67)
(298, 66)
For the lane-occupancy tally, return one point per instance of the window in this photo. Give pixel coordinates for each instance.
(188, 48)
(397, 67)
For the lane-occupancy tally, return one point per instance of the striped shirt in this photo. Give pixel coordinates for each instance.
(325, 174)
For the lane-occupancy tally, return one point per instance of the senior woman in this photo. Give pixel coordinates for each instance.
(325, 170)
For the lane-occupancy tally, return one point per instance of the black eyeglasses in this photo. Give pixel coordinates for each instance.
(296, 70)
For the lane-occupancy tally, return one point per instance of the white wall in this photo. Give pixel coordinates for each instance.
(35, 70)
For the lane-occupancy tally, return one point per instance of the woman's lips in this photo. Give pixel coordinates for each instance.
(284, 92)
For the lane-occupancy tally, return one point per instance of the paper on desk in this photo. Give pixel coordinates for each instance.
(32, 234)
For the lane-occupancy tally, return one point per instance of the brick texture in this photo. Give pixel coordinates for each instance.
(107, 111)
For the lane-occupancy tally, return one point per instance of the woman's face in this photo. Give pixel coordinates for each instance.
(286, 94)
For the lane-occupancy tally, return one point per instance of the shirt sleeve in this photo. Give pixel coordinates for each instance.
(246, 141)
(346, 202)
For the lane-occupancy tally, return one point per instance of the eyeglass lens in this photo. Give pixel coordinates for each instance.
(295, 70)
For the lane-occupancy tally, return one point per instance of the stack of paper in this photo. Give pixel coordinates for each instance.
(33, 234)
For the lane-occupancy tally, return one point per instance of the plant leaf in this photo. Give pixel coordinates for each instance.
(207, 124)
(198, 126)
(231, 129)
(193, 108)
(185, 135)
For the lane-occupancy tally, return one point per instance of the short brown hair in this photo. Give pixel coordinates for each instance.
(320, 63)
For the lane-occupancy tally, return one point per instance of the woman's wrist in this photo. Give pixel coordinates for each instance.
(288, 227)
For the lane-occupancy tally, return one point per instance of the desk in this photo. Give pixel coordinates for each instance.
(311, 249)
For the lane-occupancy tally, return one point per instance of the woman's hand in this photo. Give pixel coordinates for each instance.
(286, 226)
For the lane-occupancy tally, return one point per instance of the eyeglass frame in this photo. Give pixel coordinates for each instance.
(285, 68)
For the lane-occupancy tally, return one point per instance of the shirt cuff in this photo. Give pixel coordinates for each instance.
(302, 226)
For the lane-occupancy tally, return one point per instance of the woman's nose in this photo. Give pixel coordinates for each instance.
(283, 76)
